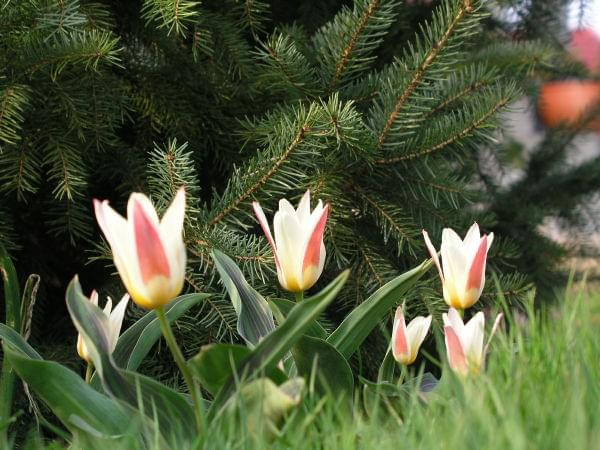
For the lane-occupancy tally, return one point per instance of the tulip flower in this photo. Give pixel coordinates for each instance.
(149, 254)
(406, 340)
(464, 342)
(298, 245)
(115, 320)
(463, 274)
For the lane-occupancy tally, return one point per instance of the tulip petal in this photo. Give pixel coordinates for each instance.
(453, 320)
(171, 236)
(107, 307)
(400, 348)
(433, 253)
(117, 233)
(289, 239)
(264, 224)
(303, 210)
(490, 239)
(151, 255)
(472, 339)
(171, 224)
(471, 241)
(416, 331)
(94, 297)
(312, 255)
(476, 276)
(115, 321)
(456, 354)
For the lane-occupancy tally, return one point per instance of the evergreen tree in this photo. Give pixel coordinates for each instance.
(381, 108)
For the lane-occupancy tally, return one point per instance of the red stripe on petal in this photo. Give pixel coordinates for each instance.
(260, 215)
(313, 248)
(399, 341)
(477, 269)
(152, 258)
(456, 354)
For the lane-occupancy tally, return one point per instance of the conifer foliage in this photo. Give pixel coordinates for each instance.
(100, 98)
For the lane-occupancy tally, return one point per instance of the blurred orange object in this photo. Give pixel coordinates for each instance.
(564, 103)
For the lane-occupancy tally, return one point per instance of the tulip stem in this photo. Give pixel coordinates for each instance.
(180, 360)
(299, 296)
(89, 370)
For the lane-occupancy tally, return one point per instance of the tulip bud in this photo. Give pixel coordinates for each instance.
(115, 320)
(406, 340)
(298, 245)
(464, 342)
(149, 254)
(463, 274)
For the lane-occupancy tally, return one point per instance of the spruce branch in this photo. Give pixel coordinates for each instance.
(456, 127)
(296, 139)
(20, 169)
(452, 23)
(345, 45)
(285, 67)
(176, 15)
(13, 101)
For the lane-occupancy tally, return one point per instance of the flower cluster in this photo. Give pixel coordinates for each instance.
(150, 257)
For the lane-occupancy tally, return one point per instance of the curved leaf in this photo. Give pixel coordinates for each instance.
(16, 340)
(315, 329)
(351, 333)
(255, 319)
(135, 343)
(172, 410)
(332, 372)
(76, 404)
(273, 347)
(216, 363)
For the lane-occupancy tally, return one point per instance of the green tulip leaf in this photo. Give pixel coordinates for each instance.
(172, 410)
(255, 318)
(315, 329)
(9, 335)
(135, 343)
(315, 357)
(216, 363)
(78, 406)
(354, 329)
(274, 347)
(12, 296)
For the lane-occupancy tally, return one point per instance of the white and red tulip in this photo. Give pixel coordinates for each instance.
(298, 243)
(463, 265)
(406, 340)
(115, 320)
(464, 342)
(149, 254)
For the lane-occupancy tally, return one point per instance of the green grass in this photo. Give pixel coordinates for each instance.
(540, 390)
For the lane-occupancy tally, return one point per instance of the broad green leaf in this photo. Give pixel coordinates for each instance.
(135, 343)
(27, 303)
(75, 403)
(354, 329)
(12, 308)
(9, 335)
(314, 329)
(318, 358)
(255, 319)
(216, 363)
(273, 347)
(174, 413)
(387, 367)
(12, 297)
